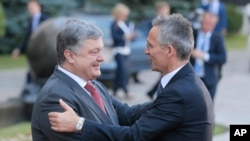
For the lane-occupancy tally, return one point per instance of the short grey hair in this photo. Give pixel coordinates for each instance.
(177, 31)
(72, 37)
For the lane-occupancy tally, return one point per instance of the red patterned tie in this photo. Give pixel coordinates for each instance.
(95, 95)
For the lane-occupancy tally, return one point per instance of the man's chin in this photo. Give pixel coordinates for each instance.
(154, 69)
(97, 74)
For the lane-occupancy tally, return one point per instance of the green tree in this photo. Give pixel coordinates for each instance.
(234, 18)
(17, 18)
(2, 21)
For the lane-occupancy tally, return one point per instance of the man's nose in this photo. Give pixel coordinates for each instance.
(146, 51)
(100, 57)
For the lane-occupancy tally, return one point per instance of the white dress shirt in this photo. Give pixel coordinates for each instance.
(203, 44)
(166, 78)
(76, 78)
(203, 39)
(35, 21)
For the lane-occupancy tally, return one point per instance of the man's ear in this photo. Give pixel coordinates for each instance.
(169, 50)
(69, 55)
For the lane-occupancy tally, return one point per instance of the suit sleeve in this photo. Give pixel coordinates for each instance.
(127, 115)
(51, 104)
(218, 54)
(166, 113)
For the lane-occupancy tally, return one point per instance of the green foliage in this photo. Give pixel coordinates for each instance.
(219, 129)
(234, 18)
(2, 21)
(20, 132)
(17, 18)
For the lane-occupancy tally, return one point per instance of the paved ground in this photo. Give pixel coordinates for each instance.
(231, 102)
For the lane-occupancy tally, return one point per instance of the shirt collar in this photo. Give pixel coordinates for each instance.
(78, 80)
(37, 15)
(166, 78)
(207, 34)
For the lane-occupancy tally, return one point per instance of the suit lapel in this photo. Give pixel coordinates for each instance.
(111, 115)
(86, 98)
(181, 73)
(213, 41)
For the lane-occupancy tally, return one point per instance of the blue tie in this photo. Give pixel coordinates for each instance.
(199, 67)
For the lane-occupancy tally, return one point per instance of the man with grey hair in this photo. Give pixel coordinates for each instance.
(183, 109)
(79, 55)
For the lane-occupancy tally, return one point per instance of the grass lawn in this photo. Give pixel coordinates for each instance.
(235, 41)
(22, 132)
(17, 132)
(9, 63)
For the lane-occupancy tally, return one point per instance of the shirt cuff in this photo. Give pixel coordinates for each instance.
(206, 57)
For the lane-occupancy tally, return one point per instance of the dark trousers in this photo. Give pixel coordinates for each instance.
(153, 90)
(28, 77)
(211, 88)
(121, 74)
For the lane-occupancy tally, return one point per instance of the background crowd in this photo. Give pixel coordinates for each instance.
(209, 53)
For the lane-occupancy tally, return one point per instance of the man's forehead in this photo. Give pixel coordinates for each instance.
(94, 42)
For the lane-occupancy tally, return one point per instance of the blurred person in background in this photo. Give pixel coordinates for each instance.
(218, 8)
(122, 34)
(162, 8)
(36, 18)
(209, 52)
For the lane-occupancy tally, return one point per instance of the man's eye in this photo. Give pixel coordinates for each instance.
(95, 51)
(149, 46)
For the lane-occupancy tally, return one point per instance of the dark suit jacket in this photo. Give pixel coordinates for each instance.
(182, 112)
(22, 47)
(117, 35)
(217, 54)
(59, 85)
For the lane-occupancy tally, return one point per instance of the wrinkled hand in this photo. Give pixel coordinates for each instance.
(198, 54)
(64, 122)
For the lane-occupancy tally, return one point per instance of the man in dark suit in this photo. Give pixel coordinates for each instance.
(36, 18)
(218, 8)
(183, 109)
(79, 55)
(209, 53)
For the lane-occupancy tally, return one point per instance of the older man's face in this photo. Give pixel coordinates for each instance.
(88, 59)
